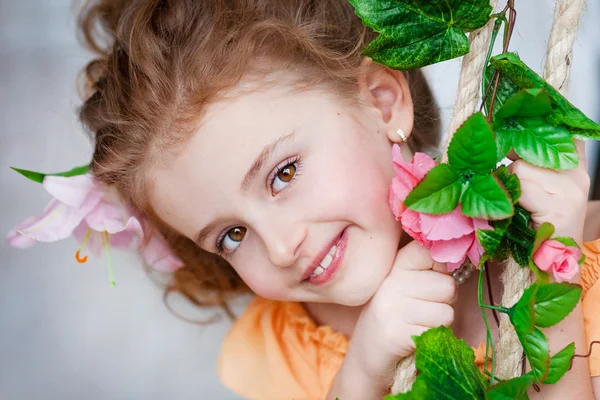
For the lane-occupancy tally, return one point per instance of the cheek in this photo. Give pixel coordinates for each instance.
(264, 280)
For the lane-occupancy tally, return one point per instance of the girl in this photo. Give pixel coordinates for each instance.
(257, 139)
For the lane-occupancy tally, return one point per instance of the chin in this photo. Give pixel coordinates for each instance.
(358, 296)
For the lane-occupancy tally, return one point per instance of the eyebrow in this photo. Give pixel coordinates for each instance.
(262, 159)
(255, 168)
(204, 232)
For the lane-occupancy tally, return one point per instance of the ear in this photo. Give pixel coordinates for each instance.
(387, 91)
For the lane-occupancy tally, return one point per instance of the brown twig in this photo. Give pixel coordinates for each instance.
(489, 286)
(512, 18)
(589, 353)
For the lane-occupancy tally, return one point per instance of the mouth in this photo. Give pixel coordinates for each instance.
(327, 261)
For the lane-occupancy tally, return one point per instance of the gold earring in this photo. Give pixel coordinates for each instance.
(402, 135)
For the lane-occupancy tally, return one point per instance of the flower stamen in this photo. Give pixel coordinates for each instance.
(106, 242)
(86, 239)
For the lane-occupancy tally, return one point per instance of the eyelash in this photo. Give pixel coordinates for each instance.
(282, 165)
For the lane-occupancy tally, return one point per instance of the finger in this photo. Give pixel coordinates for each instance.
(430, 286)
(441, 268)
(413, 257)
(513, 156)
(551, 181)
(580, 146)
(427, 313)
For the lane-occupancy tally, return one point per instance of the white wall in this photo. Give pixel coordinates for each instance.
(65, 333)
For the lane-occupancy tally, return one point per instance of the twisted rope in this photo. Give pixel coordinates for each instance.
(567, 14)
(467, 99)
(515, 279)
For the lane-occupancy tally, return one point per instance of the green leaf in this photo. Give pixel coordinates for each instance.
(542, 144)
(504, 139)
(554, 301)
(563, 112)
(510, 181)
(526, 103)
(484, 198)
(515, 388)
(518, 236)
(472, 147)
(34, 176)
(567, 241)
(544, 232)
(521, 314)
(490, 240)
(522, 218)
(413, 34)
(535, 346)
(447, 366)
(438, 193)
(418, 391)
(521, 254)
(560, 363)
(505, 90)
(39, 176)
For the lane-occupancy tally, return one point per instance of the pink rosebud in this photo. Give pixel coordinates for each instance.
(450, 237)
(558, 258)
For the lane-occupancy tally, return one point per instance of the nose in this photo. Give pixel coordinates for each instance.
(283, 240)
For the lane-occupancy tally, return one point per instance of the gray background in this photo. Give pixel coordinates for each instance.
(65, 333)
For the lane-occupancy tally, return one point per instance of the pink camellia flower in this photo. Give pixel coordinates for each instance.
(558, 258)
(408, 175)
(451, 237)
(93, 213)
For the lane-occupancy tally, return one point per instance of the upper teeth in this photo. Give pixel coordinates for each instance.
(325, 263)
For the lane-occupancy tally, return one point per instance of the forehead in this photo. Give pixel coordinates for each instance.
(202, 178)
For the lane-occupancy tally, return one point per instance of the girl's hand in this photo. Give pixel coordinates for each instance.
(559, 197)
(415, 296)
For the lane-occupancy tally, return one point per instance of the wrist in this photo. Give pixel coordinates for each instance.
(355, 380)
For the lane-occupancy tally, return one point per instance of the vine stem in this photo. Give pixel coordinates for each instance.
(489, 341)
(508, 31)
(500, 18)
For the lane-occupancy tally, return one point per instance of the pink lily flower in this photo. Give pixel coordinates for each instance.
(85, 208)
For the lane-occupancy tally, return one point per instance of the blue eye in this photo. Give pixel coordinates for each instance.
(231, 240)
(284, 174)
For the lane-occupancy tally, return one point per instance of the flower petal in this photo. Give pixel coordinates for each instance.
(18, 240)
(422, 164)
(566, 269)
(58, 222)
(548, 253)
(446, 226)
(475, 252)
(72, 190)
(451, 251)
(107, 214)
(395, 204)
(159, 255)
(411, 223)
(125, 237)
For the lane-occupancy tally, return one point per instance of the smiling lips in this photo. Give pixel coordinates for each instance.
(328, 261)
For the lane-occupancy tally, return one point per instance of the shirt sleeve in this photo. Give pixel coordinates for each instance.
(275, 351)
(590, 272)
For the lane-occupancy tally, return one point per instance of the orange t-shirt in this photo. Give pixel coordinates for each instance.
(274, 350)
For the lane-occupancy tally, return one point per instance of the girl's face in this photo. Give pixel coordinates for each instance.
(291, 187)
